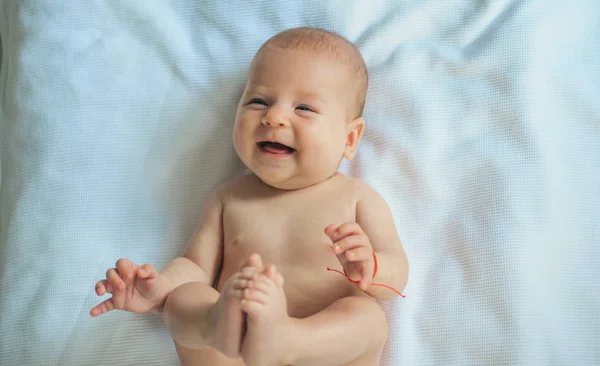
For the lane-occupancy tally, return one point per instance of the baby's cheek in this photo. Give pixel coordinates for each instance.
(238, 134)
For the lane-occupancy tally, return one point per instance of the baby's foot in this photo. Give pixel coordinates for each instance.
(229, 326)
(267, 321)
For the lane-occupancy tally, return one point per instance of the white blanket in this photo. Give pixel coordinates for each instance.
(483, 134)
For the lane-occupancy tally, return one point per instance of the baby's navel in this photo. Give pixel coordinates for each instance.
(237, 240)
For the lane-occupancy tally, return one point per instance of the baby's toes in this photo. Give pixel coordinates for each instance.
(253, 307)
(258, 289)
(254, 261)
(272, 273)
(278, 279)
(248, 273)
(240, 284)
(253, 300)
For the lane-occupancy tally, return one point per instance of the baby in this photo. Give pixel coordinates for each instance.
(253, 286)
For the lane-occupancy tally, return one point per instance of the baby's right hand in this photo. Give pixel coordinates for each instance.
(134, 288)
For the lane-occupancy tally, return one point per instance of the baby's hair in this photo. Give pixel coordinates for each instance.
(322, 41)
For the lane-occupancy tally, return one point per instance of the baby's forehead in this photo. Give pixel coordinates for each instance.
(317, 72)
(311, 39)
(272, 54)
(324, 48)
(319, 44)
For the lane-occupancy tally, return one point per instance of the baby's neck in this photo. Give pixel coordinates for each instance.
(314, 185)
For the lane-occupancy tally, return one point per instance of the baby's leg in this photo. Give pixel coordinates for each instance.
(351, 330)
(205, 357)
(197, 316)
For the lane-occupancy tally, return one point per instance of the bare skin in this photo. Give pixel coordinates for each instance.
(319, 305)
(313, 304)
(295, 121)
(229, 321)
(264, 301)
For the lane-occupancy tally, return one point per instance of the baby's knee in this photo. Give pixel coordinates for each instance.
(371, 315)
(189, 295)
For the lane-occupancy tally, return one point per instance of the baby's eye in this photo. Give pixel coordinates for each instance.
(304, 108)
(257, 101)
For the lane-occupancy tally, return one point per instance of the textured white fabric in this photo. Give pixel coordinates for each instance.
(483, 134)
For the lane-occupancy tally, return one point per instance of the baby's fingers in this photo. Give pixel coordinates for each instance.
(104, 307)
(366, 276)
(114, 279)
(349, 242)
(342, 231)
(365, 282)
(359, 254)
(103, 287)
(147, 272)
(126, 268)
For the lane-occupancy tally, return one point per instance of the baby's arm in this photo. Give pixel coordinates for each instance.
(201, 259)
(141, 288)
(375, 218)
(188, 308)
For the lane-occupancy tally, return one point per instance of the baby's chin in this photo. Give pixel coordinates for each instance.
(290, 183)
(283, 184)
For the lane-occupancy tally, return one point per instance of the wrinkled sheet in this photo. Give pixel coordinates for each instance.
(483, 134)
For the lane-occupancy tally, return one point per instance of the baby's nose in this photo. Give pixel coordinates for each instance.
(273, 120)
(276, 116)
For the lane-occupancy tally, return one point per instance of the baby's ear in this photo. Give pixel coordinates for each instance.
(354, 132)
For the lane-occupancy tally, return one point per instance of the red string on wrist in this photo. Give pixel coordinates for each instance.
(376, 266)
(374, 274)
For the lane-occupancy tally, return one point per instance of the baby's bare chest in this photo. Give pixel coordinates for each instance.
(282, 230)
(289, 233)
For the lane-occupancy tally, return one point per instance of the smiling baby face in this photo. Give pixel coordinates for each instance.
(298, 115)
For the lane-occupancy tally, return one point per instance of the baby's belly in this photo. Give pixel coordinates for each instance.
(309, 288)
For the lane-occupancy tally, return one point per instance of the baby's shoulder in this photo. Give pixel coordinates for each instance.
(357, 188)
(241, 186)
(352, 185)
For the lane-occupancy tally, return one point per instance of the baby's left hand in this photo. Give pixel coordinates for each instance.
(354, 251)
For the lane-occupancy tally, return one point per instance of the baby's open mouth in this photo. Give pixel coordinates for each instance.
(275, 148)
